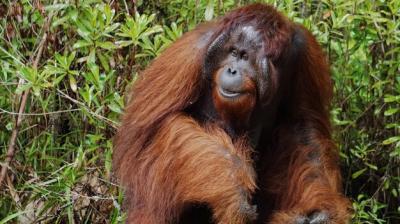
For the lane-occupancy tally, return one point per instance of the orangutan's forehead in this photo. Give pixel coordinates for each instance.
(247, 35)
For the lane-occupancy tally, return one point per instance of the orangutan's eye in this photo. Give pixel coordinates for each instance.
(245, 56)
(234, 52)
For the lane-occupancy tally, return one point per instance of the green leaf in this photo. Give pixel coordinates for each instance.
(115, 107)
(358, 173)
(73, 14)
(11, 216)
(396, 152)
(391, 140)
(391, 98)
(10, 126)
(72, 83)
(58, 79)
(92, 57)
(106, 45)
(28, 74)
(391, 111)
(104, 61)
(71, 58)
(22, 88)
(371, 166)
(59, 21)
(82, 43)
(154, 29)
(110, 28)
(124, 43)
(94, 69)
(56, 7)
(62, 60)
(51, 70)
(394, 193)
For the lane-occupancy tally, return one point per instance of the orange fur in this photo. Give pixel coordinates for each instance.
(238, 110)
(185, 152)
(167, 160)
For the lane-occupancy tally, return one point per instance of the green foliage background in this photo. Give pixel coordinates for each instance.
(93, 51)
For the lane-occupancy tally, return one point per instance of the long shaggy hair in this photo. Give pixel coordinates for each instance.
(167, 160)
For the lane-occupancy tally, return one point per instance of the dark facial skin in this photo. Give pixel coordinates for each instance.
(238, 71)
(243, 60)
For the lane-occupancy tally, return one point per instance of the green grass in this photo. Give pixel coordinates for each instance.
(76, 81)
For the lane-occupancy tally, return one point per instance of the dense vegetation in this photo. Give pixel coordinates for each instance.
(66, 65)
